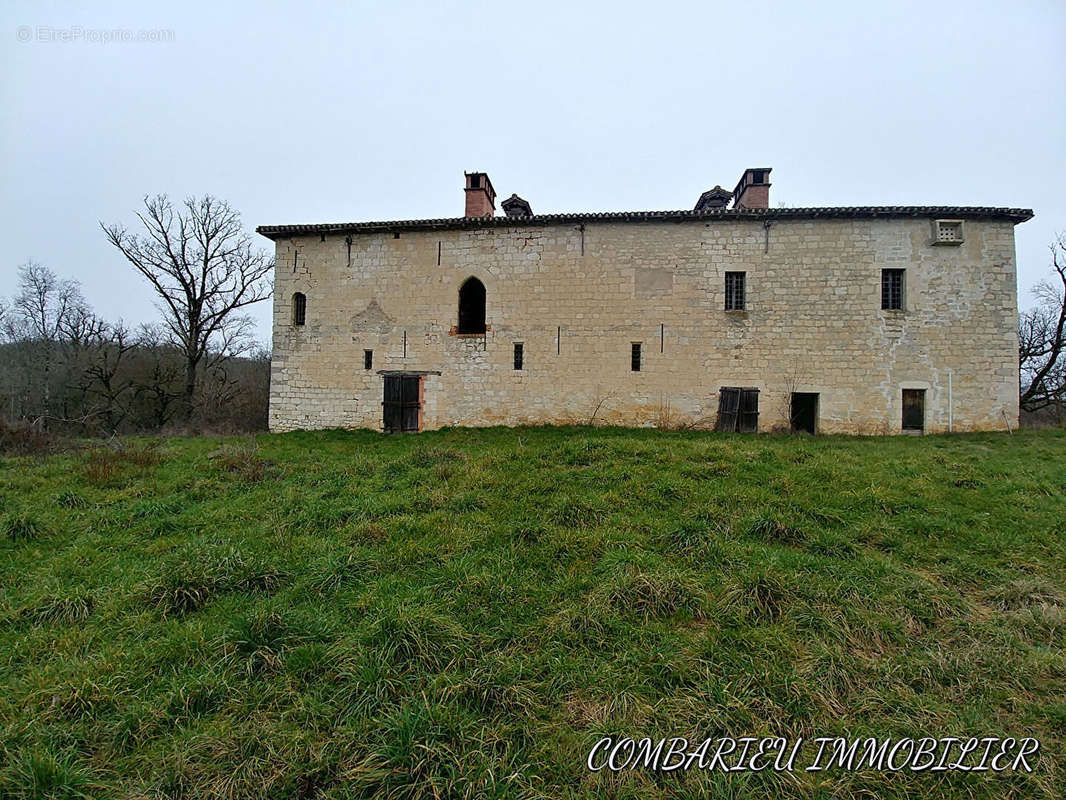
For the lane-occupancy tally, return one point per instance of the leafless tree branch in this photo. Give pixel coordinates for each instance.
(1042, 338)
(203, 267)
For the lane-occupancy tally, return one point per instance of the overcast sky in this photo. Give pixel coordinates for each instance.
(320, 113)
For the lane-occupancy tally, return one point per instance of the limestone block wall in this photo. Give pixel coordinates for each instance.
(578, 296)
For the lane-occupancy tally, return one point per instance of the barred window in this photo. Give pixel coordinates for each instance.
(892, 289)
(299, 308)
(635, 357)
(734, 291)
(519, 355)
(368, 359)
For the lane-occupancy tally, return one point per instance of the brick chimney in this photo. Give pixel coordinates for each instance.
(480, 196)
(753, 191)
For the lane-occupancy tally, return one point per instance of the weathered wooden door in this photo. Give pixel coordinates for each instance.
(913, 409)
(738, 409)
(401, 406)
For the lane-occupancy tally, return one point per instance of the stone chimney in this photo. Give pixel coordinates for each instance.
(480, 196)
(753, 191)
(515, 206)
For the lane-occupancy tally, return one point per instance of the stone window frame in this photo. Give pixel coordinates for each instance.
(948, 232)
(636, 356)
(887, 300)
(472, 284)
(299, 309)
(519, 362)
(736, 290)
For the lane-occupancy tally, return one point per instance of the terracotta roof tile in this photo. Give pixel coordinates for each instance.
(1015, 215)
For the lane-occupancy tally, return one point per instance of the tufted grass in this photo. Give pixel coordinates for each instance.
(464, 613)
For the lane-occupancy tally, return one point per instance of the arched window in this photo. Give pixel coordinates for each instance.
(299, 308)
(472, 306)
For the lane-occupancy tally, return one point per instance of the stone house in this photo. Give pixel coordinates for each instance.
(732, 315)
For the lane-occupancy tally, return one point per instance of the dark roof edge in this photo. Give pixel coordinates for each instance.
(1015, 215)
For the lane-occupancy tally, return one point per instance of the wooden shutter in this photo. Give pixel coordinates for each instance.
(392, 408)
(728, 405)
(738, 410)
(411, 402)
(749, 411)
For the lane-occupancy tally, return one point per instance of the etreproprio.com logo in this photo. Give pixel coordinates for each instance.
(70, 34)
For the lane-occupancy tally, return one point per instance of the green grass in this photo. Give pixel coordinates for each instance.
(464, 613)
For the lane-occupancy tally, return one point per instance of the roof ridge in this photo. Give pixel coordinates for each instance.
(856, 212)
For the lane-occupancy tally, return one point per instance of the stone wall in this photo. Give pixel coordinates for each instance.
(577, 299)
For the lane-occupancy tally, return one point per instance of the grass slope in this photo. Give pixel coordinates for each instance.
(463, 613)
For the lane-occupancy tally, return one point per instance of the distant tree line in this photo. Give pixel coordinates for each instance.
(65, 369)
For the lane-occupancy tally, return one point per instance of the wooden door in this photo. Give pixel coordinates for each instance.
(913, 409)
(402, 403)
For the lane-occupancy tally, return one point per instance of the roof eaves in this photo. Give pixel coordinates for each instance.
(1016, 215)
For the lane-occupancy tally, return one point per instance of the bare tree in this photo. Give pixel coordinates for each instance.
(50, 319)
(154, 388)
(792, 379)
(1042, 339)
(46, 304)
(204, 268)
(105, 380)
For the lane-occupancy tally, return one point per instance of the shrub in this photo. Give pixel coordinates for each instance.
(141, 456)
(100, 466)
(22, 438)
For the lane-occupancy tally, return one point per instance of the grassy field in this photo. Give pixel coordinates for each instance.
(464, 613)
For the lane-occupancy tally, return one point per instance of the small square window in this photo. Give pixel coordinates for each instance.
(947, 231)
(635, 357)
(734, 291)
(368, 359)
(519, 355)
